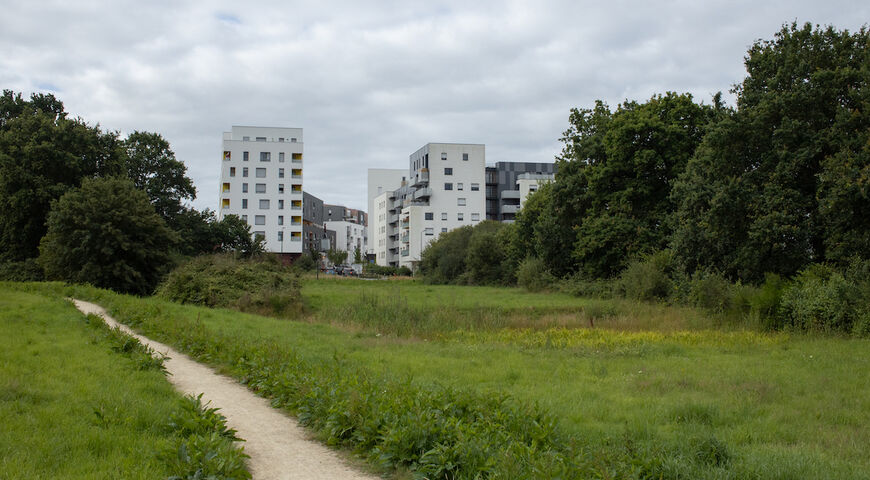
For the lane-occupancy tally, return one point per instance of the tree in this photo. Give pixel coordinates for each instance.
(151, 164)
(357, 255)
(43, 154)
(106, 233)
(783, 181)
(485, 259)
(443, 261)
(232, 234)
(336, 257)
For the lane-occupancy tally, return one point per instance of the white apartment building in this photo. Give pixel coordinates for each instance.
(444, 190)
(528, 183)
(380, 181)
(348, 237)
(261, 182)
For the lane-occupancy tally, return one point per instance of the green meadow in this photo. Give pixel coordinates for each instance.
(696, 398)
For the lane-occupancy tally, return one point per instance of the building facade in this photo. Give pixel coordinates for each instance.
(315, 236)
(380, 181)
(503, 195)
(348, 237)
(261, 182)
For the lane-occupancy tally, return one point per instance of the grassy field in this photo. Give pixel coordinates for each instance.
(683, 401)
(78, 400)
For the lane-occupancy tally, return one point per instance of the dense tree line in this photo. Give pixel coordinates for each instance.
(772, 186)
(93, 206)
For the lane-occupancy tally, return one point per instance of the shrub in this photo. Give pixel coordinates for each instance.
(260, 285)
(579, 286)
(533, 275)
(27, 271)
(648, 278)
(711, 291)
(821, 299)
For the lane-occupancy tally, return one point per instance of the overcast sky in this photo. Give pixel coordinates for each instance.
(371, 82)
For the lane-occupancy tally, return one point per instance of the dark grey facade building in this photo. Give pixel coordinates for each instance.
(502, 190)
(313, 231)
(340, 213)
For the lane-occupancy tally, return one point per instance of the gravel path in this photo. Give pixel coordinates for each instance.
(278, 446)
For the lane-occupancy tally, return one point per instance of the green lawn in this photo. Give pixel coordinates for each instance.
(706, 403)
(69, 406)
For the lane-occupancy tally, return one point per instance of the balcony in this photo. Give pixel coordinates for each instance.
(510, 208)
(422, 178)
(405, 252)
(405, 237)
(515, 194)
(423, 193)
(393, 219)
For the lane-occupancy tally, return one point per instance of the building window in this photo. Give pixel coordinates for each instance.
(260, 234)
(460, 202)
(443, 215)
(225, 203)
(232, 171)
(261, 173)
(259, 219)
(443, 155)
(448, 171)
(292, 140)
(281, 157)
(281, 139)
(460, 216)
(475, 187)
(265, 156)
(245, 218)
(280, 173)
(429, 231)
(280, 204)
(261, 139)
(475, 217)
(280, 188)
(430, 216)
(264, 204)
(227, 156)
(244, 203)
(464, 157)
(281, 236)
(226, 187)
(244, 156)
(297, 157)
(459, 186)
(260, 188)
(443, 229)
(246, 139)
(448, 186)
(244, 188)
(280, 219)
(245, 172)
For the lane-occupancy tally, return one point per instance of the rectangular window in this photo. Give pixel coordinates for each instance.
(464, 157)
(430, 216)
(265, 156)
(281, 139)
(475, 217)
(227, 156)
(443, 155)
(246, 139)
(280, 188)
(460, 216)
(292, 140)
(244, 203)
(244, 156)
(244, 188)
(245, 171)
(443, 215)
(459, 186)
(297, 157)
(281, 157)
(475, 187)
(261, 173)
(226, 187)
(260, 234)
(448, 186)
(259, 219)
(280, 173)
(280, 219)
(429, 231)
(280, 236)
(245, 218)
(261, 139)
(225, 203)
(443, 229)
(260, 188)
(232, 171)
(448, 171)
(264, 204)
(280, 204)
(460, 202)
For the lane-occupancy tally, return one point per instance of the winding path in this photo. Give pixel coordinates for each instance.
(278, 446)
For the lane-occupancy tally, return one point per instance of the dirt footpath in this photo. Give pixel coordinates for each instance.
(278, 446)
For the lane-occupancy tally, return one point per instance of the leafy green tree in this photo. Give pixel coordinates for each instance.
(336, 257)
(43, 154)
(443, 261)
(485, 258)
(611, 198)
(783, 181)
(151, 164)
(232, 234)
(357, 255)
(106, 233)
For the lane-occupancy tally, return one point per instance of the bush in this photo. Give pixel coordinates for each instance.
(375, 269)
(260, 285)
(533, 275)
(27, 271)
(822, 299)
(711, 291)
(305, 263)
(648, 278)
(579, 286)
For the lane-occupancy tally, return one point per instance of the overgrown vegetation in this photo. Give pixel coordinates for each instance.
(648, 405)
(259, 284)
(81, 400)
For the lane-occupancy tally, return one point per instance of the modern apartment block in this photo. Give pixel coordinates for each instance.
(348, 237)
(504, 191)
(261, 182)
(380, 180)
(444, 189)
(315, 235)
